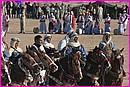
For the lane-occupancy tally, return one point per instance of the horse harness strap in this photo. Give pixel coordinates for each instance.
(56, 80)
(69, 76)
(89, 75)
(27, 73)
(114, 74)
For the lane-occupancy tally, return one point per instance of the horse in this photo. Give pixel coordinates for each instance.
(115, 76)
(45, 62)
(5, 76)
(69, 72)
(42, 59)
(96, 62)
(23, 70)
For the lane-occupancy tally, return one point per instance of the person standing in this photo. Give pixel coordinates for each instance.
(120, 22)
(57, 27)
(89, 25)
(73, 20)
(125, 19)
(80, 22)
(22, 23)
(100, 13)
(6, 20)
(115, 10)
(43, 24)
(68, 22)
(107, 24)
(52, 22)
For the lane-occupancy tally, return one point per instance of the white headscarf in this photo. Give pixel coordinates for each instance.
(45, 43)
(72, 42)
(104, 38)
(14, 41)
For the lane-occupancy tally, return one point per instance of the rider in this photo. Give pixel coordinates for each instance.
(49, 47)
(39, 49)
(107, 45)
(62, 44)
(14, 50)
(74, 43)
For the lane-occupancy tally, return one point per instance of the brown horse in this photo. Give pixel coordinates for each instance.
(116, 74)
(42, 59)
(95, 64)
(23, 68)
(45, 62)
(69, 71)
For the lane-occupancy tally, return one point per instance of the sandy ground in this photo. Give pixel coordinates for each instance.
(88, 41)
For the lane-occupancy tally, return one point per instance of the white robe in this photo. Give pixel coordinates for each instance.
(107, 25)
(63, 43)
(120, 27)
(68, 23)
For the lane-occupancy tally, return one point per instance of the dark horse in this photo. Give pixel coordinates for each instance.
(22, 69)
(69, 71)
(116, 74)
(45, 62)
(42, 60)
(95, 64)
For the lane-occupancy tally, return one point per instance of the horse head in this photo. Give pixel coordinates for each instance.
(76, 55)
(29, 63)
(117, 60)
(97, 64)
(42, 59)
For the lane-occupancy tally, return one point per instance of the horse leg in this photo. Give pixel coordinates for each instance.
(35, 80)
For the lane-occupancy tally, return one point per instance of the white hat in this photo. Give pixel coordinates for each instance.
(107, 33)
(74, 35)
(124, 11)
(47, 36)
(13, 41)
(70, 32)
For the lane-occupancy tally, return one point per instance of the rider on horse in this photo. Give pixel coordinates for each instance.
(49, 47)
(14, 50)
(74, 43)
(107, 45)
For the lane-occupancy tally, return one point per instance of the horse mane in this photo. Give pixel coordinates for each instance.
(25, 56)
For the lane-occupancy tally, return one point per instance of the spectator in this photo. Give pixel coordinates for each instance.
(6, 20)
(68, 22)
(120, 22)
(88, 25)
(107, 24)
(100, 13)
(22, 23)
(43, 24)
(52, 22)
(57, 27)
(125, 19)
(116, 11)
(80, 22)
(96, 28)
